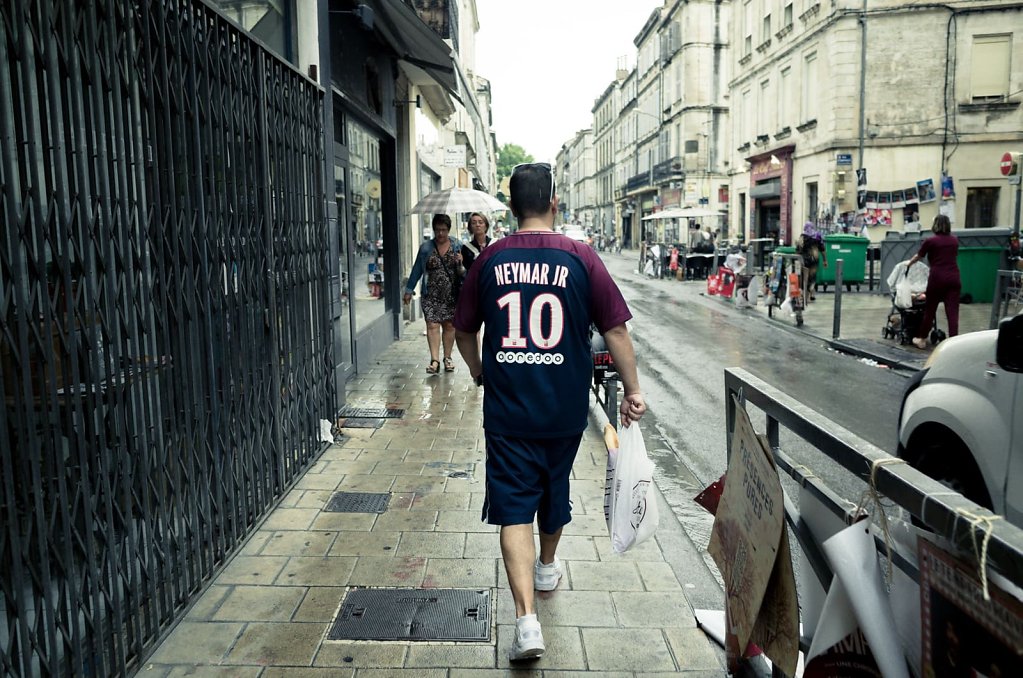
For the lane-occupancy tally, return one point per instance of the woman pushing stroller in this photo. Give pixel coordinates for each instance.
(943, 282)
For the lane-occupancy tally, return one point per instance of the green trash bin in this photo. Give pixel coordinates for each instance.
(852, 250)
(978, 269)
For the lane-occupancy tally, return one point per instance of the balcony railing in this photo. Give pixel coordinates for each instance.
(668, 170)
(638, 181)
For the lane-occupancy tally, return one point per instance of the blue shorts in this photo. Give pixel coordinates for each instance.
(528, 477)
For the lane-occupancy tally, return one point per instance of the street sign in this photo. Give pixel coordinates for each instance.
(844, 159)
(1007, 165)
(454, 156)
(1010, 164)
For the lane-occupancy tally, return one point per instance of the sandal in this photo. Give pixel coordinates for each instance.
(434, 367)
(448, 365)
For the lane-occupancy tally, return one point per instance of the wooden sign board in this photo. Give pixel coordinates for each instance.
(747, 532)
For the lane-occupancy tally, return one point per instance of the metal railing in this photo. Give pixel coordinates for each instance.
(926, 499)
(164, 333)
(1008, 299)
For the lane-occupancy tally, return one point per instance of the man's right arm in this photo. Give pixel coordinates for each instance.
(619, 343)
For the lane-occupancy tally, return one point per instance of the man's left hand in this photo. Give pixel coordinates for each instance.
(632, 409)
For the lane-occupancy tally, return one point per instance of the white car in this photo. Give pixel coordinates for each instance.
(962, 418)
(578, 234)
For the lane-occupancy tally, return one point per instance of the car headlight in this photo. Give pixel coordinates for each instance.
(934, 354)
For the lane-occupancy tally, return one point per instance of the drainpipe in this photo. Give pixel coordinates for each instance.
(863, 78)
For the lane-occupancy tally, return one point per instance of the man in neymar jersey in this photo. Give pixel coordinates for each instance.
(537, 292)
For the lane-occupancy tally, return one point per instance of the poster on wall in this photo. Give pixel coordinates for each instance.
(963, 634)
(912, 197)
(871, 200)
(898, 199)
(948, 189)
(926, 189)
(948, 208)
(879, 217)
(861, 177)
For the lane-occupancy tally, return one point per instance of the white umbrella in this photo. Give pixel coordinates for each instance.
(683, 213)
(456, 201)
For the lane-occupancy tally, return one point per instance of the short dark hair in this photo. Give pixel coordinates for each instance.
(531, 187)
(942, 225)
(486, 222)
(441, 219)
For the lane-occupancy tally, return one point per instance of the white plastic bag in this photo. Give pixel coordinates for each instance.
(633, 503)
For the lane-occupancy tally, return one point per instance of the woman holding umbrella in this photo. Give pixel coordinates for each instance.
(440, 259)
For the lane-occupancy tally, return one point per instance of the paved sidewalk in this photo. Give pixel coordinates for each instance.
(268, 612)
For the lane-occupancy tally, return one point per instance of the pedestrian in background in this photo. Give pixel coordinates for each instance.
(439, 264)
(479, 225)
(537, 292)
(811, 248)
(943, 282)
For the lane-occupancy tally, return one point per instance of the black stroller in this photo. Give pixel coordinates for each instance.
(908, 302)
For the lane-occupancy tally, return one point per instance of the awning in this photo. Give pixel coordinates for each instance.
(766, 189)
(416, 43)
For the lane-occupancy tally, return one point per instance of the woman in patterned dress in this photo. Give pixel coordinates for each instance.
(440, 259)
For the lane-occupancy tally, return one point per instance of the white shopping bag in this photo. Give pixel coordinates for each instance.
(633, 505)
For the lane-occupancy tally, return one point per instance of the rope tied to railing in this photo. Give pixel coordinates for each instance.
(975, 521)
(985, 523)
(871, 498)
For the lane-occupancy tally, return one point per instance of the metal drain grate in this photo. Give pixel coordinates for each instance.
(357, 502)
(370, 412)
(413, 614)
(353, 422)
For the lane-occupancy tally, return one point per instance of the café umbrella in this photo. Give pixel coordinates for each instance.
(683, 213)
(456, 201)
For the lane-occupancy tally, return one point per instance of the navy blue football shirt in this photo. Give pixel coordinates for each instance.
(537, 292)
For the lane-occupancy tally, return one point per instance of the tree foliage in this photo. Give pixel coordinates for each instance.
(508, 156)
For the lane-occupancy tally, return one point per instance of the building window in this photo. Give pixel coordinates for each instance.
(981, 206)
(765, 108)
(272, 21)
(747, 116)
(810, 85)
(748, 28)
(784, 97)
(787, 15)
(811, 201)
(766, 29)
(990, 69)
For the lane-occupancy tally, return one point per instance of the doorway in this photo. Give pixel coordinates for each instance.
(769, 219)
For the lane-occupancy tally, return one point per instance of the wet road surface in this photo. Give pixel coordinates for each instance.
(684, 342)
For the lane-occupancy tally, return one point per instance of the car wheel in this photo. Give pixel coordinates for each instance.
(951, 464)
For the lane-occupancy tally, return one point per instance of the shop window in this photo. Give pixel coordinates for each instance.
(367, 226)
(981, 206)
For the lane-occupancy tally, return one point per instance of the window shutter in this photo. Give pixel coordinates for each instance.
(990, 72)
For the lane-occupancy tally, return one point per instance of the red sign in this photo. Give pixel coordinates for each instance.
(1006, 164)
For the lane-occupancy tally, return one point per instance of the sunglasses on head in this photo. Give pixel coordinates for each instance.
(541, 165)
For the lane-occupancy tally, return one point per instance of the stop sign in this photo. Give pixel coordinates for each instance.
(1007, 165)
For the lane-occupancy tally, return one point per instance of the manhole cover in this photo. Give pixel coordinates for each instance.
(352, 422)
(370, 412)
(357, 502)
(413, 614)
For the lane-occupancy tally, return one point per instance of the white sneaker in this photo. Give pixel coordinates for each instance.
(546, 577)
(920, 342)
(528, 639)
